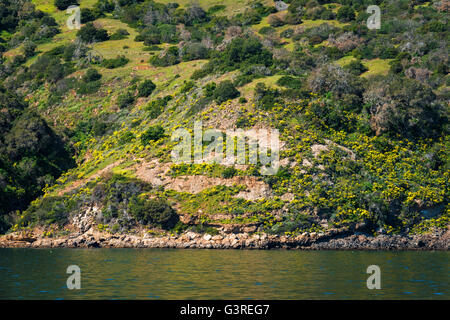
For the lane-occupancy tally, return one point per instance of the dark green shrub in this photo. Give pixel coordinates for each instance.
(194, 51)
(119, 34)
(209, 89)
(356, 67)
(88, 87)
(288, 33)
(155, 212)
(225, 91)
(187, 86)
(169, 58)
(91, 75)
(229, 172)
(48, 210)
(126, 137)
(152, 134)
(265, 97)
(290, 82)
(89, 33)
(267, 30)
(204, 229)
(146, 88)
(29, 49)
(124, 100)
(156, 107)
(345, 14)
(105, 5)
(216, 8)
(88, 15)
(64, 4)
(118, 62)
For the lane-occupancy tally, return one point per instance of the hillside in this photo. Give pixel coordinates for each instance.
(87, 117)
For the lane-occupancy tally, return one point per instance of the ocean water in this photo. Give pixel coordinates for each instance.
(222, 274)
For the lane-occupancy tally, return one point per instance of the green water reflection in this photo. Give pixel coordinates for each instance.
(221, 274)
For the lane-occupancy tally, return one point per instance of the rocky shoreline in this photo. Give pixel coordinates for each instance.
(439, 240)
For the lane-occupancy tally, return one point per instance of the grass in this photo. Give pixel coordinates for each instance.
(230, 10)
(376, 67)
(342, 62)
(248, 89)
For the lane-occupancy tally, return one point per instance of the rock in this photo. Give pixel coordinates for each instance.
(207, 237)
(93, 244)
(191, 235)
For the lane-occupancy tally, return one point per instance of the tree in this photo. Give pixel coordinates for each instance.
(405, 107)
(344, 85)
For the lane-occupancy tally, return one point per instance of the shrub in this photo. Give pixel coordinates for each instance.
(88, 15)
(194, 51)
(342, 84)
(404, 107)
(146, 88)
(152, 134)
(288, 33)
(124, 100)
(105, 5)
(118, 62)
(239, 54)
(187, 86)
(120, 34)
(91, 75)
(156, 212)
(89, 33)
(229, 172)
(209, 89)
(225, 91)
(168, 58)
(88, 87)
(265, 97)
(201, 228)
(64, 4)
(126, 137)
(345, 14)
(29, 49)
(156, 107)
(356, 67)
(276, 21)
(290, 82)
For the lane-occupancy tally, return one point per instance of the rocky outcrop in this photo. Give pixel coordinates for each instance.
(331, 240)
(157, 174)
